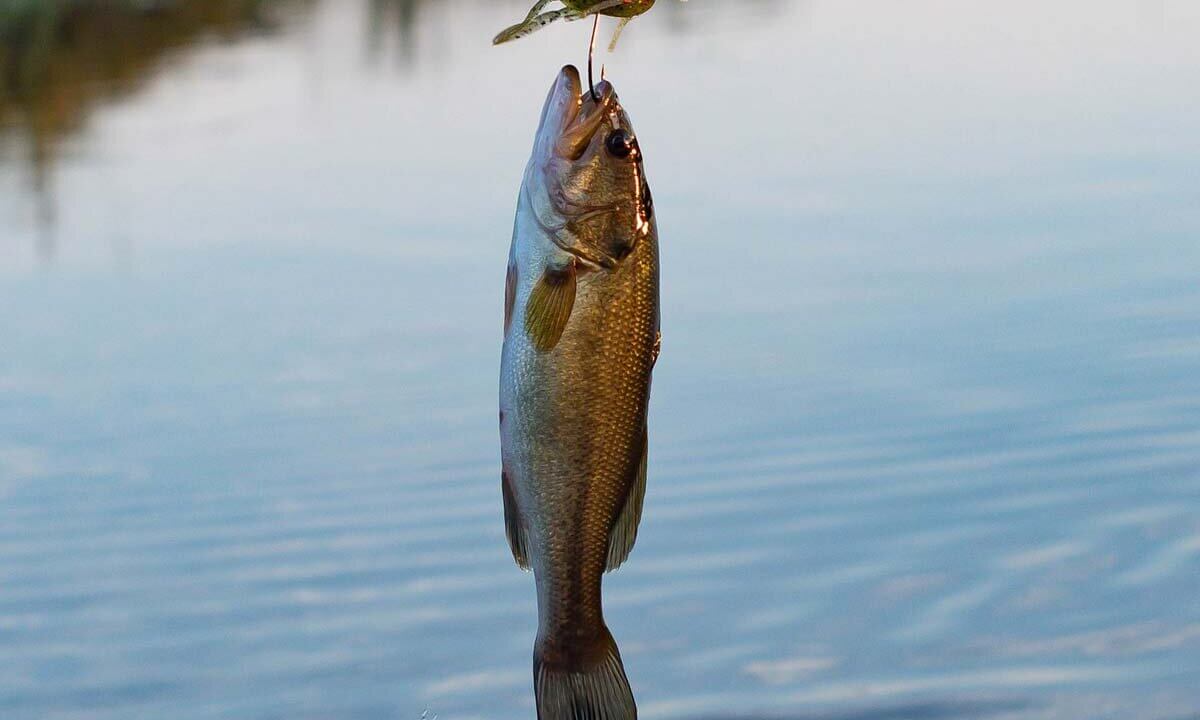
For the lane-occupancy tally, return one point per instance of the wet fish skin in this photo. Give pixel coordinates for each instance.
(581, 339)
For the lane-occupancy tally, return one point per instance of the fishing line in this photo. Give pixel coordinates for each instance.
(591, 56)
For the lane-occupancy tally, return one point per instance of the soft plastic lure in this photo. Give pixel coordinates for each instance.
(539, 17)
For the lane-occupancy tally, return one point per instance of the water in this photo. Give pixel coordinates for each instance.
(925, 435)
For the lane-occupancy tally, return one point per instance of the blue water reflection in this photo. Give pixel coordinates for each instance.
(925, 430)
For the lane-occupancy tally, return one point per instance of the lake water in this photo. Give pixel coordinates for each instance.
(925, 433)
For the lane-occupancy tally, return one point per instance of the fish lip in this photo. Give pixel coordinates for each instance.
(562, 107)
(578, 134)
(564, 131)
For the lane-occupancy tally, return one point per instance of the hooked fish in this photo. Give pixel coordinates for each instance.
(575, 10)
(581, 336)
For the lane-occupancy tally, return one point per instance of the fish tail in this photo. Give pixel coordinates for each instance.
(594, 688)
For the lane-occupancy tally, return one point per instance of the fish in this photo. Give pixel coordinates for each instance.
(581, 338)
(575, 10)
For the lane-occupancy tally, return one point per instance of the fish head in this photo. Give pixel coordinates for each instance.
(586, 178)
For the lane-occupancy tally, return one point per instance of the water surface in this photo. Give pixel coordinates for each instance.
(925, 435)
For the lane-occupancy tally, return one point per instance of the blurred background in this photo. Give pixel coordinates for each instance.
(925, 433)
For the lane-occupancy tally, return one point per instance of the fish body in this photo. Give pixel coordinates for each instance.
(581, 339)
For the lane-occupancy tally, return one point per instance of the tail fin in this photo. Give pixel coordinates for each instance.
(595, 690)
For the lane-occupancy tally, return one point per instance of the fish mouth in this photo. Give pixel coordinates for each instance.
(570, 121)
(566, 128)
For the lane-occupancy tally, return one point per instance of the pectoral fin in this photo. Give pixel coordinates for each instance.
(624, 532)
(518, 542)
(549, 307)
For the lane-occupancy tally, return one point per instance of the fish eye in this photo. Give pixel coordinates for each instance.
(620, 144)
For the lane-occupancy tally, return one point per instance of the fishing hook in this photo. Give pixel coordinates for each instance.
(591, 56)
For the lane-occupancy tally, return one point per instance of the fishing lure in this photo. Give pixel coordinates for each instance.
(539, 17)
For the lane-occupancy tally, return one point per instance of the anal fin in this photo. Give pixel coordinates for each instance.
(624, 532)
(518, 542)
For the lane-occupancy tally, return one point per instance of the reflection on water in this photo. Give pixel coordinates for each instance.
(399, 14)
(926, 426)
(59, 59)
(909, 711)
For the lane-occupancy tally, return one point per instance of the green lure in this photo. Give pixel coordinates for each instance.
(575, 10)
